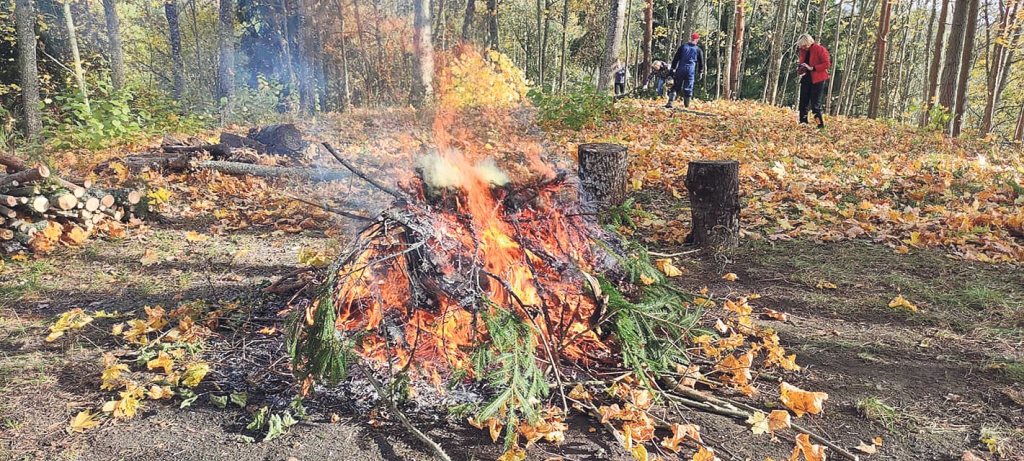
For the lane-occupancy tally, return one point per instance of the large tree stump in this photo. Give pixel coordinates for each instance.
(602, 171)
(714, 188)
(283, 139)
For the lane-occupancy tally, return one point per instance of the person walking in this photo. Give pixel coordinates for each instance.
(687, 65)
(813, 71)
(620, 79)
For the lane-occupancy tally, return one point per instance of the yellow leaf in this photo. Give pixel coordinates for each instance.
(83, 421)
(513, 454)
(639, 452)
(665, 265)
(825, 284)
(19, 258)
(149, 257)
(704, 454)
(647, 280)
(163, 360)
(71, 320)
(194, 373)
(193, 236)
(111, 375)
(730, 277)
(758, 423)
(159, 392)
(900, 301)
(126, 407)
(801, 401)
(877, 441)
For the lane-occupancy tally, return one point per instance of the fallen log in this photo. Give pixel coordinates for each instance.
(63, 201)
(126, 198)
(241, 142)
(12, 163)
(236, 168)
(38, 173)
(6, 234)
(7, 212)
(216, 150)
(38, 204)
(8, 200)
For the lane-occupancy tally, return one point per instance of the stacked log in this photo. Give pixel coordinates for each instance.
(38, 208)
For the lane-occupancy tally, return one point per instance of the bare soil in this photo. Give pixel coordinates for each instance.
(931, 384)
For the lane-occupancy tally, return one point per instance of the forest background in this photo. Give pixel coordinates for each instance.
(99, 71)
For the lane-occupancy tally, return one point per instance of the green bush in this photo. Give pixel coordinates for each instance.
(576, 110)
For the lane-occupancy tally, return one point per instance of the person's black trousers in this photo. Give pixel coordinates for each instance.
(810, 99)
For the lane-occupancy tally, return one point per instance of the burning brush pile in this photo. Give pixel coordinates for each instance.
(484, 270)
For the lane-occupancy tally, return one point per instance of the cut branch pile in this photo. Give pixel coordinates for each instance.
(39, 209)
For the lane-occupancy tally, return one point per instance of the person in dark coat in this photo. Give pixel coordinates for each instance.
(813, 71)
(687, 65)
(620, 79)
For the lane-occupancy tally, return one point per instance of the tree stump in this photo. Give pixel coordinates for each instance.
(602, 171)
(283, 139)
(714, 188)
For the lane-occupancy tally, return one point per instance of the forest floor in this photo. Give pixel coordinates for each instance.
(932, 384)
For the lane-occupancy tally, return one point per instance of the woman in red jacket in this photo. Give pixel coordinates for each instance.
(813, 71)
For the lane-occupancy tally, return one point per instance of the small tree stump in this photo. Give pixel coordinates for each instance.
(714, 188)
(602, 171)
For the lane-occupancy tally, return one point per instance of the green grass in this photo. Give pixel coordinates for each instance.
(874, 409)
(24, 281)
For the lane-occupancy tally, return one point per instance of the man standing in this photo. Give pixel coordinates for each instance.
(688, 64)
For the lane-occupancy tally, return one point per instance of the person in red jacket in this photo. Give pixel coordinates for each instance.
(813, 71)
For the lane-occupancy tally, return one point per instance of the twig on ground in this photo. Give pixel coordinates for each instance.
(362, 175)
(328, 208)
(673, 255)
(438, 451)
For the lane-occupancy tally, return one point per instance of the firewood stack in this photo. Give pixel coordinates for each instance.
(39, 208)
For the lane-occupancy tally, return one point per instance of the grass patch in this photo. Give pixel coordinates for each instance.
(874, 409)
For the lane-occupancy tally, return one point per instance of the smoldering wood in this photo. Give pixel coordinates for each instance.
(602, 172)
(714, 203)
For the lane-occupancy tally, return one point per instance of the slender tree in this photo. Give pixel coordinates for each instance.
(966, 61)
(423, 54)
(564, 50)
(177, 64)
(613, 41)
(954, 53)
(999, 62)
(1018, 134)
(933, 68)
(25, 22)
(771, 87)
(114, 39)
(648, 36)
(226, 44)
(69, 24)
(467, 21)
(492, 25)
(881, 40)
(737, 52)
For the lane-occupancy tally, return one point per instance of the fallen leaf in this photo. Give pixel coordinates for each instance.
(195, 237)
(810, 451)
(730, 277)
(900, 301)
(801, 401)
(83, 421)
(194, 373)
(163, 360)
(665, 265)
(149, 257)
(758, 423)
(867, 449)
(779, 419)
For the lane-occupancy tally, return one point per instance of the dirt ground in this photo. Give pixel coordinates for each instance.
(931, 384)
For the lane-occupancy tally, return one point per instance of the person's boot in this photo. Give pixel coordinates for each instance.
(671, 97)
(686, 100)
(803, 117)
(820, 120)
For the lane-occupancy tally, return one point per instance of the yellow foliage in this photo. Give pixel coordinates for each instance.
(474, 80)
(70, 320)
(83, 421)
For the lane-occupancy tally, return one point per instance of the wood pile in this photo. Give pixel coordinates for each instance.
(39, 208)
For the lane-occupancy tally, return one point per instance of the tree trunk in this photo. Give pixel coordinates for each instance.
(114, 37)
(283, 139)
(882, 38)
(603, 175)
(346, 92)
(834, 70)
(726, 53)
(1018, 134)
(999, 64)
(954, 53)
(775, 54)
(226, 42)
(69, 23)
(613, 41)
(737, 53)
(492, 25)
(178, 66)
(966, 61)
(714, 203)
(648, 36)
(423, 54)
(564, 52)
(467, 21)
(933, 68)
(25, 22)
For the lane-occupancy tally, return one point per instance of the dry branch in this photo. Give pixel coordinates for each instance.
(362, 175)
(237, 168)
